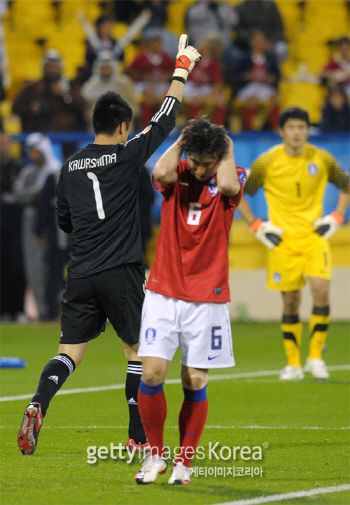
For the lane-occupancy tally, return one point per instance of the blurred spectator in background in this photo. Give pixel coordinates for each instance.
(206, 16)
(11, 260)
(260, 15)
(204, 87)
(126, 11)
(258, 76)
(4, 67)
(158, 9)
(28, 188)
(54, 240)
(336, 111)
(104, 29)
(146, 199)
(337, 70)
(151, 70)
(159, 15)
(50, 104)
(107, 77)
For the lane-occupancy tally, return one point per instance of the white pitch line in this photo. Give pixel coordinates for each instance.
(289, 496)
(276, 427)
(262, 373)
(95, 427)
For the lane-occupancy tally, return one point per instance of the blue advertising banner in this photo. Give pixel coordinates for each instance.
(248, 146)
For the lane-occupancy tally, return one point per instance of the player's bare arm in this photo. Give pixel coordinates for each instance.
(227, 178)
(164, 171)
(246, 211)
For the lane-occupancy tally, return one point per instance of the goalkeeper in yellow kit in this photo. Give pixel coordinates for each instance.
(294, 175)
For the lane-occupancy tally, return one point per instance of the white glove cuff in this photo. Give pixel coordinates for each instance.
(181, 72)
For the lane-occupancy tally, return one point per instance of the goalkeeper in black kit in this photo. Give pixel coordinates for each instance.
(97, 203)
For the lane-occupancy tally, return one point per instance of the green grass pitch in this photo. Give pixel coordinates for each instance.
(305, 424)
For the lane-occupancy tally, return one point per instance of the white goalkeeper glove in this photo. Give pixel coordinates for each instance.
(267, 233)
(185, 59)
(329, 224)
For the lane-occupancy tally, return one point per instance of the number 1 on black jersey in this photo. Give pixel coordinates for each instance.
(98, 196)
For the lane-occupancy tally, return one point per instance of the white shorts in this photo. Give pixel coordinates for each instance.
(202, 330)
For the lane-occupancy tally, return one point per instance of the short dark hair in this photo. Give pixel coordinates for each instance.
(204, 138)
(293, 113)
(101, 20)
(336, 88)
(110, 110)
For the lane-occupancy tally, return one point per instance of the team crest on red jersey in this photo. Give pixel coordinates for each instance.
(242, 178)
(213, 187)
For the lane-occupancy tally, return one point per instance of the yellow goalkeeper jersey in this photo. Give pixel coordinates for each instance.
(295, 186)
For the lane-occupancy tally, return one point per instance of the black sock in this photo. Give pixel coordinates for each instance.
(132, 384)
(52, 379)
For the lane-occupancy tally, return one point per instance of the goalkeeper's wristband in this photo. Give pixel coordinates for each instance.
(177, 78)
(255, 225)
(339, 218)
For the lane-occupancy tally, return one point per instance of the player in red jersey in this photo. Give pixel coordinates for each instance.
(187, 291)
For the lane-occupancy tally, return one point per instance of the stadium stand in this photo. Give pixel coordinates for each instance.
(32, 27)
(309, 26)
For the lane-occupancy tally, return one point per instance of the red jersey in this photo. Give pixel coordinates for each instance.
(206, 71)
(339, 64)
(260, 68)
(151, 66)
(191, 261)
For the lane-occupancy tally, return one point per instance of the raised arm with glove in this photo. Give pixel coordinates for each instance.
(186, 59)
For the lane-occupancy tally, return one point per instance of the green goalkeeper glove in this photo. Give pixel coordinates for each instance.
(186, 59)
(267, 233)
(329, 224)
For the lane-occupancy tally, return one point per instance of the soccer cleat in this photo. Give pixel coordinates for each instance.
(180, 474)
(291, 373)
(152, 466)
(132, 446)
(27, 438)
(317, 367)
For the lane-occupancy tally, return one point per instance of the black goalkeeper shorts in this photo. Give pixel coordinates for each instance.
(116, 294)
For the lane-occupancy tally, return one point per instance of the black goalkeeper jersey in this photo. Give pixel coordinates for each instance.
(97, 197)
